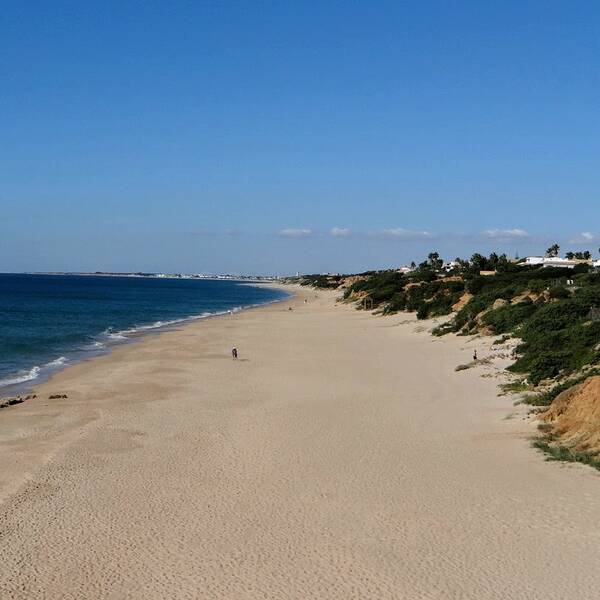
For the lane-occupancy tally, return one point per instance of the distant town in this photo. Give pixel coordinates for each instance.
(148, 275)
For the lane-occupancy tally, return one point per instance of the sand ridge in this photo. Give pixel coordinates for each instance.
(340, 457)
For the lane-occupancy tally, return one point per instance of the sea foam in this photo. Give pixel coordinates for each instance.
(61, 360)
(21, 377)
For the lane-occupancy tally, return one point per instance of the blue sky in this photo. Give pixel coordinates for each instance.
(274, 137)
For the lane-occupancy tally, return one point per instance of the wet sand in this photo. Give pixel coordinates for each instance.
(340, 457)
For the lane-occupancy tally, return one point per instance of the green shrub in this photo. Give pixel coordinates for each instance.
(537, 286)
(507, 318)
(543, 365)
(423, 311)
(559, 292)
(554, 317)
(475, 285)
(321, 281)
(381, 286)
(545, 352)
(397, 303)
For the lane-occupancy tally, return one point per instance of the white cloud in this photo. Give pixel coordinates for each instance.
(583, 238)
(406, 234)
(295, 233)
(505, 234)
(340, 232)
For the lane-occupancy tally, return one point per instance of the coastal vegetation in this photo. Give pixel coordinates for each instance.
(322, 281)
(558, 452)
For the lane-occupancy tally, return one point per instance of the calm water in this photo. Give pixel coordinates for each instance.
(49, 321)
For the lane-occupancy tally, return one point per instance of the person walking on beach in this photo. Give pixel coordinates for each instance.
(234, 353)
(474, 354)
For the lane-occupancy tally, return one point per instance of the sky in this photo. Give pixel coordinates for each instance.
(276, 137)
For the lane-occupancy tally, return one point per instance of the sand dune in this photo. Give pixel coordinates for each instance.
(340, 457)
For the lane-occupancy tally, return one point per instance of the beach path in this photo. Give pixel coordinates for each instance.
(340, 457)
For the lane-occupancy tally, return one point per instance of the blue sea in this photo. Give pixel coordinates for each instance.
(50, 321)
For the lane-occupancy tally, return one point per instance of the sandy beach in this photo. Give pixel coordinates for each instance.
(340, 457)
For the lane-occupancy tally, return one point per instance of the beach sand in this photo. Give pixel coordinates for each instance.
(340, 457)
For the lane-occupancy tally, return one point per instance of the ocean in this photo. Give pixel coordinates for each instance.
(50, 321)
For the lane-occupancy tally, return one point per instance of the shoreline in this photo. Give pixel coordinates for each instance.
(335, 459)
(45, 372)
(41, 391)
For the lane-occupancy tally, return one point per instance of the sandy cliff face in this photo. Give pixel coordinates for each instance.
(462, 301)
(575, 416)
(350, 280)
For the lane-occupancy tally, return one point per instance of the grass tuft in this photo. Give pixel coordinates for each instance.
(562, 453)
(516, 387)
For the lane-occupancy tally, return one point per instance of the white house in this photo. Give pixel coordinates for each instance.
(450, 265)
(551, 261)
(534, 260)
(405, 269)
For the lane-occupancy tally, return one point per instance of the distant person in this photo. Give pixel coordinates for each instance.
(234, 353)
(474, 354)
